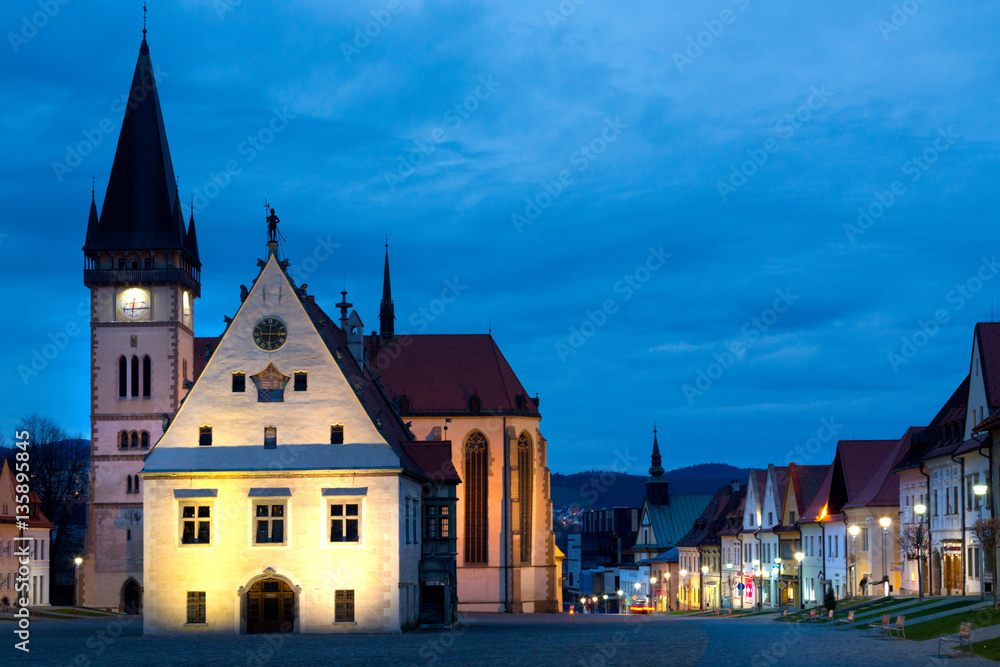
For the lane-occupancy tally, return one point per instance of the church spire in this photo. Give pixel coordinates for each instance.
(141, 207)
(191, 239)
(656, 470)
(92, 223)
(386, 312)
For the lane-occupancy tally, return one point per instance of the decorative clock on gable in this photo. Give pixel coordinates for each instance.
(270, 333)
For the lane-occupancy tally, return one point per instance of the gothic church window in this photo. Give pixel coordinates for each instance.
(147, 380)
(135, 376)
(525, 475)
(122, 377)
(476, 460)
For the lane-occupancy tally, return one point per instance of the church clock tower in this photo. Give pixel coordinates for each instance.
(141, 265)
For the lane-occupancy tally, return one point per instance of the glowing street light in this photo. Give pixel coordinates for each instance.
(854, 530)
(921, 510)
(799, 556)
(704, 574)
(76, 582)
(980, 491)
(885, 522)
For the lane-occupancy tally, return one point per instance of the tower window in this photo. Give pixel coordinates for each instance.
(148, 263)
(122, 441)
(122, 377)
(135, 440)
(135, 376)
(525, 480)
(205, 436)
(147, 380)
(301, 381)
(270, 437)
(128, 488)
(336, 434)
(135, 484)
(239, 382)
(144, 439)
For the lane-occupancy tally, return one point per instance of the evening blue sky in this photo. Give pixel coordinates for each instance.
(625, 192)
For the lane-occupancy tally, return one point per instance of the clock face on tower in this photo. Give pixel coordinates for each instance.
(133, 304)
(269, 333)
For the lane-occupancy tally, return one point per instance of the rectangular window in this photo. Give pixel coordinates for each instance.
(345, 522)
(270, 519)
(956, 505)
(196, 524)
(935, 502)
(205, 436)
(791, 518)
(196, 607)
(343, 607)
(239, 382)
(407, 521)
(147, 263)
(121, 265)
(770, 518)
(301, 381)
(336, 434)
(864, 538)
(270, 437)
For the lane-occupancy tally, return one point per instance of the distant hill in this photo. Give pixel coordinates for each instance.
(604, 488)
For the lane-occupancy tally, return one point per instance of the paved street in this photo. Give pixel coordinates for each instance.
(487, 639)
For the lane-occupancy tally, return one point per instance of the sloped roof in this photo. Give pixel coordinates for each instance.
(705, 528)
(671, 522)
(733, 512)
(882, 489)
(668, 556)
(806, 481)
(141, 207)
(817, 510)
(988, 335)
(440, 373)
(434, 457)
(929, 443)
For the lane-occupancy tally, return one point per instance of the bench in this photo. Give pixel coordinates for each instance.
(898, 628)
(962, 638)
(845, 622)
(879, 627)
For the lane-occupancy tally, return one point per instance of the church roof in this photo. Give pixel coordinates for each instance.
(441, 373)
(671, 522)
(141, 207)
(434, 457)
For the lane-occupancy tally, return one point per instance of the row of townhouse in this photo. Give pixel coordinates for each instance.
(857, 525)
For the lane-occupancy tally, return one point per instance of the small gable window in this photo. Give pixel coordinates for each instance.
(301, 381)
(205, 436)
(239, 382)
(270, 437)
(336, 434)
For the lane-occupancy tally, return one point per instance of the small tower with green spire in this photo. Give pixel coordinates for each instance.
(656, 485)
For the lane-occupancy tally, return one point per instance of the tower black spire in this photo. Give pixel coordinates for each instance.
(657, 486)
(386, 311)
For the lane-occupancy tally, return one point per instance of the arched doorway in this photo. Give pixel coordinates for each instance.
(270, 607)
(131, 597)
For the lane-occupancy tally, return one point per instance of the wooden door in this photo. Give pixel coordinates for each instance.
(270, 607)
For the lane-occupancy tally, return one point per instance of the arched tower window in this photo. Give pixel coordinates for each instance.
(144, 439)
(147, 378)
(135, 484)
(122, 377)
(476, 462)
(135, 440)
(525, 479)
(128, 488)
(123, 440)
(135, 376)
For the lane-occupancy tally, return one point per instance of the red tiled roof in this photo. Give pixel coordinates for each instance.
(434, 456)
(819, 505)
(882, 490)
(440, 374)
(806, 481)
(988, 335)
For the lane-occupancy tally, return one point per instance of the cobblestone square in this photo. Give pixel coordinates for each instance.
(487, 639)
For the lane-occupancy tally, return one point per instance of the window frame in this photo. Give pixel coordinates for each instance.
(239, 383)
(255, 518)
(334, 432)
(348, 600)
(197, 519)
(328, 520)
(304, 377)
(200, 604)
(205, 430)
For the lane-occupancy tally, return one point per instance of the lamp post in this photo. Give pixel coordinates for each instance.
(802, 598)
(885, 522)
(759, 575)
(670, 595)
(776, 570)
(980, 491)
(854, 530)
(605, 603)
(637, 587)
(704, 574)
(729, 577)
(920, 509)
(597, 606)
(76, 583)
(621, 608)
(682, 588)
(655, 598)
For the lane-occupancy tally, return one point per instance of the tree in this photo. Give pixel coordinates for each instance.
(59, 474)
(914, 543)
(988, 532)
(829, 599)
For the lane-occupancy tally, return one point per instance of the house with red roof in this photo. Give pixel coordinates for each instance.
(803, 482)
(33, 538)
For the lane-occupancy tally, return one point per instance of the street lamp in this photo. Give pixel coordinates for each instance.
(76, 582)
(980, 491)
(656, 598)
(684, 574)
(597, 608)
(704, 573)
(621, 607)
(802, 598)
(854, 530)
(729, 578)
(920, 509)
(637, 587)
(885, 522)
(670, 602)
(605, 603)
(759, 574)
